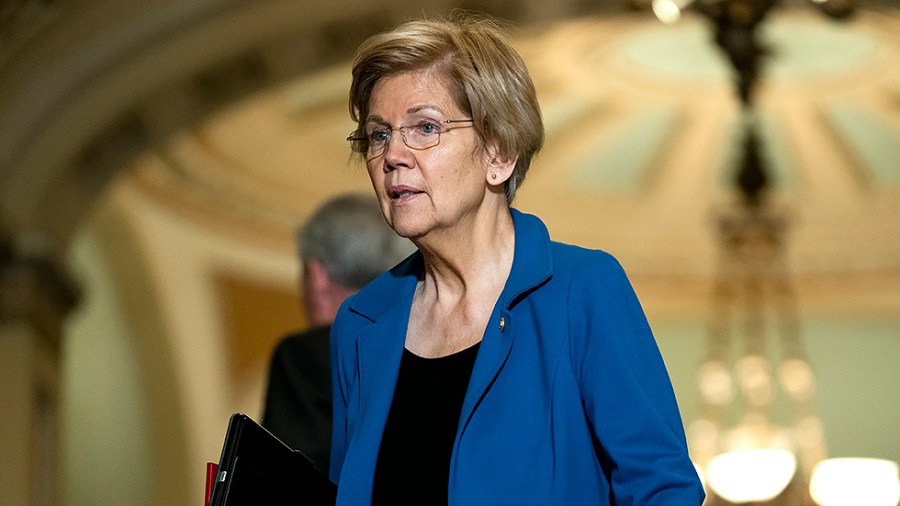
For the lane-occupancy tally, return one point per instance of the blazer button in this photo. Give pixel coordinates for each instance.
(502, 323)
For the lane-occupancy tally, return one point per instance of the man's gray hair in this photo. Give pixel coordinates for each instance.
(349, 237)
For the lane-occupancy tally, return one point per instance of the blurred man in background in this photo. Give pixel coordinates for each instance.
(344, 245)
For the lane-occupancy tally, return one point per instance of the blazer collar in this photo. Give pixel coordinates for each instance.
(532, 260)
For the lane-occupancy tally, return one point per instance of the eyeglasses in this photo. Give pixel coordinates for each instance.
(423, 134)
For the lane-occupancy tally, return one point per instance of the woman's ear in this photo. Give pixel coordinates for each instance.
(499, 168)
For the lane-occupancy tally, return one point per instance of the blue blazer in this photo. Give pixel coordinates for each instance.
(569, 401)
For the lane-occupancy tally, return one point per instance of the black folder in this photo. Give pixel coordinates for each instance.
(256, 468)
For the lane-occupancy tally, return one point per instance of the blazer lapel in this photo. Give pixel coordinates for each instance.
(492, 354)
(532, 266)
(379, 348)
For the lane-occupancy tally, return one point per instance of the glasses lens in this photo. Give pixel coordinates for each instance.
(423, 134)
(377, 138)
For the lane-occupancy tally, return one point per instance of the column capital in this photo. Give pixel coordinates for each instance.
(35, 290)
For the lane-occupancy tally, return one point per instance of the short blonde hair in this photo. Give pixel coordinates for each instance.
(484, 75)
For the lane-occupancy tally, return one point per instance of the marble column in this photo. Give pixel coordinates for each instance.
(35, 297)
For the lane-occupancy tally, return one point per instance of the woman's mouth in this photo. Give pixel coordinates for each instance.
(402, 193)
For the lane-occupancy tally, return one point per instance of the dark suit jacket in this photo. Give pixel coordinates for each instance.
(298, 397)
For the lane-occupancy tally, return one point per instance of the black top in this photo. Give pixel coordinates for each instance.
(414, 458)
(298, 397)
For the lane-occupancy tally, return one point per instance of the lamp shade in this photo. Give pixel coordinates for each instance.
(855, 481)
(744, 476)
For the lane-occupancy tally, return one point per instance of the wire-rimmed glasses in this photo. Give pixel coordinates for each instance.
(422, 134)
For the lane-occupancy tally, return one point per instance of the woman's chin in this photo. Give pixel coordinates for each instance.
(410, 234)
(404, 228)
(407, 224)
(412, 231)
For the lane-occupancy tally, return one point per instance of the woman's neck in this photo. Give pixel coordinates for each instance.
(468, 259)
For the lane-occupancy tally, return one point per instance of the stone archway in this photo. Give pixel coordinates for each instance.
(85, 87)
(81, 98)
(82, 93)
(77, 107)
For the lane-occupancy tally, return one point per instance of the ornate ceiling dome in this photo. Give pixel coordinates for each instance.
(643, 139)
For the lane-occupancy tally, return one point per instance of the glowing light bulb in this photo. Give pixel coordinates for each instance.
(666, 11)
(743, 476)
(854, 481)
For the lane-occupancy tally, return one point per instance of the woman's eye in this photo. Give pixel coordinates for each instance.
(379, 136)
(429, 128)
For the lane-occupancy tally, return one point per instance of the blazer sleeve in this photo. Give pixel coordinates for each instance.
(626, 391)
(339, 390)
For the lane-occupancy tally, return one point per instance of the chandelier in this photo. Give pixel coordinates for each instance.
(758, 438)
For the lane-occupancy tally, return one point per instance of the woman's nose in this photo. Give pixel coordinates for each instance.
(396, 148)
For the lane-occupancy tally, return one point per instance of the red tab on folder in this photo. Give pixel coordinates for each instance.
(211, 470)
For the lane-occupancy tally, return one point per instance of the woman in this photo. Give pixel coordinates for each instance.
(493, 366)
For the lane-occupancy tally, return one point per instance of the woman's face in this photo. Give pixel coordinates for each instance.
(424, 190)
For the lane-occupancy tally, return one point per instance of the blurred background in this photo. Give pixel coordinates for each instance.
(740, 157)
